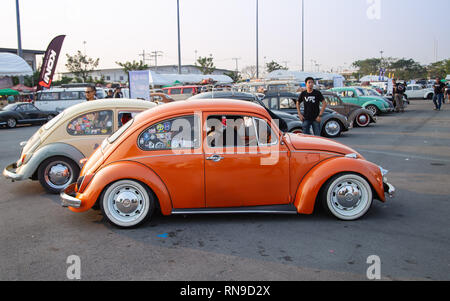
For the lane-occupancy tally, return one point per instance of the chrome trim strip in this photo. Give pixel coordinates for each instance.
(318, 152)
(230, 211)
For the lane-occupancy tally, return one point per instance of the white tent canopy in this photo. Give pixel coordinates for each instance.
(157, 79)
(300, 76)
(373, 78)
(13, 65)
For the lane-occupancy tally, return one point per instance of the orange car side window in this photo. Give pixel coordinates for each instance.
(176, 133)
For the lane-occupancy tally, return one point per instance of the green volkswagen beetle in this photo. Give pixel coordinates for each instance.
(354, 95)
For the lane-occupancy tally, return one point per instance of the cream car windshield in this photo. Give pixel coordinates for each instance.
(119, 133)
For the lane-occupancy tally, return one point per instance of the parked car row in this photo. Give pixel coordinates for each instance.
(129, 158)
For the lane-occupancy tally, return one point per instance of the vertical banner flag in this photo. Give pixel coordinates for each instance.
(49, 63)
(140, 84)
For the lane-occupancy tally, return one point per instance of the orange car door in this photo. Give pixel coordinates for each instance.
(172, 149)
(242, 171)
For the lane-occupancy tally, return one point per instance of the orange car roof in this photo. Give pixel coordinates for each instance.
(201, 105)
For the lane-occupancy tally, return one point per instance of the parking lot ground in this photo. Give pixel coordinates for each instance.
(409, 233)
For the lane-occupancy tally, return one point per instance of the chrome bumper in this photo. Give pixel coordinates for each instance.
(10, 173)
(389, 189)
(68, 198)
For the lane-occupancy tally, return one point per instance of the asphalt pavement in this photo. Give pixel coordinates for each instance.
(410, 233)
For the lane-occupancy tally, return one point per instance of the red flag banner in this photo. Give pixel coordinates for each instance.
(50, 61)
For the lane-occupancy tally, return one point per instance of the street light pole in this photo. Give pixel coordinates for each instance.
(179, 44)
(19, 36)
(257, 39)
(303, 35)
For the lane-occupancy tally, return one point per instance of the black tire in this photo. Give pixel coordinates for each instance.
(61, 165)
(11, 123)
(373, 109)
(331, 202)
(336, 130)
(137, 195)
(430, 96)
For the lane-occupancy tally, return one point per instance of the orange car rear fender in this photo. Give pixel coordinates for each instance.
(120, 171)
(311, 184)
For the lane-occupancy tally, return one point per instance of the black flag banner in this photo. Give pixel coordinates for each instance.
(49, 63)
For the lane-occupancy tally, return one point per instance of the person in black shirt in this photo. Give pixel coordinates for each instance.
(438, 94)
(311, 100)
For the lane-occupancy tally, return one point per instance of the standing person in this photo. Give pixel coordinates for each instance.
(438, 94)
(90, 93)
(118, 93)
(399, 91)
(312, 114)
(448, 92)
(110, 94)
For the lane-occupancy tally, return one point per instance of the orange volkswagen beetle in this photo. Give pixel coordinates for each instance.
(226, 156)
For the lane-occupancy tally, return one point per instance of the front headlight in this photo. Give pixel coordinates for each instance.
(384, 172)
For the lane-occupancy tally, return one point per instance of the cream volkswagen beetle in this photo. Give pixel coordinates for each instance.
(53, 154)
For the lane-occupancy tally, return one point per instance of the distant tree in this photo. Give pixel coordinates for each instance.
(81, 65)
(407, 69)
(367, 66)
(235, 76)
(273, 66)
(206, 65)
(249, 72)
(439, 69)
(132, 66)
(64, 80)
(31, 81)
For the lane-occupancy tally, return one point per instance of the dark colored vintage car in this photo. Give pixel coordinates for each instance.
(288, 123)
(24, 113)
(356, 115)
(333, 124)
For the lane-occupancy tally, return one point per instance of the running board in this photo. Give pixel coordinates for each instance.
(276, 209)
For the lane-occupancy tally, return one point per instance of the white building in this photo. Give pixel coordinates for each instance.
(117, 75)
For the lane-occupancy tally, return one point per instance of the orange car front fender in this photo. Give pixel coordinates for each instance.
(311, 184)
(120, 171)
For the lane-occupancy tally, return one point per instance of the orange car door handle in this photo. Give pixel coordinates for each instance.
(215, 158)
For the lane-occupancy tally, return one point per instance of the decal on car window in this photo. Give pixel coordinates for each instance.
(93, 123)
(177, 133)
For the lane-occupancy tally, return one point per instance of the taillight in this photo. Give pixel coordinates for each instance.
(83, 182)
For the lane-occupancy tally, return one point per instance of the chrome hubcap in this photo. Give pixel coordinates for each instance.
(349, 197)
(362, 119)
(11, 123)
(332, 128)
(58, 175)
(372, 109)
(127, 203)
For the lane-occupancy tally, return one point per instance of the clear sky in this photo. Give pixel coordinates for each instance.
(337, 32)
